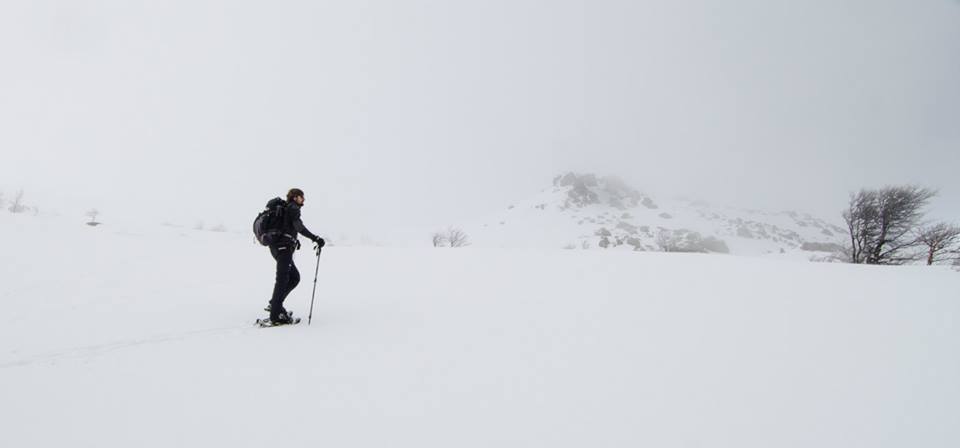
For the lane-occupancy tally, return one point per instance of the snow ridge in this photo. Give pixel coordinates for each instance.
(588, 211)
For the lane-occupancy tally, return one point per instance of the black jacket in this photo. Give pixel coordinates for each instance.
(292, 224)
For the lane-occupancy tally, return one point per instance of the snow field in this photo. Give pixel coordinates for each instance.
(117, 338)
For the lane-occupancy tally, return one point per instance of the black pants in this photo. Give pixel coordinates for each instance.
(288, 277)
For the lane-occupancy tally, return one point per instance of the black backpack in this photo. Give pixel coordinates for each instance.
(268, 225)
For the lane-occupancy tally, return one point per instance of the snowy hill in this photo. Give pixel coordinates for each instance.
(587, 211)
(118, 338)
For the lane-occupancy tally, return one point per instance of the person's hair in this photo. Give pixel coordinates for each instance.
(294, 192)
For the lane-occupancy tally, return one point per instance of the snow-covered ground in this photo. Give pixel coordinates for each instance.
(120, 338)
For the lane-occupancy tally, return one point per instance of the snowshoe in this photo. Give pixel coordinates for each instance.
(264, 323)
(285, 318)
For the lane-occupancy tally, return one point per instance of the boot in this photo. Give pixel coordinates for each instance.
(281, 318)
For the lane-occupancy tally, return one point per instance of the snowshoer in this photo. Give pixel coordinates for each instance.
(282, 248)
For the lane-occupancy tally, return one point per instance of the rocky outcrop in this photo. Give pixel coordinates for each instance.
(609, 213)
(821, 247)
(587, 189)
(683, 240)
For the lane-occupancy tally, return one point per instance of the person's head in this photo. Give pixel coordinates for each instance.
(295, 195)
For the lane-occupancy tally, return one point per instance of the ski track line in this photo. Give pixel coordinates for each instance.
(94, 350)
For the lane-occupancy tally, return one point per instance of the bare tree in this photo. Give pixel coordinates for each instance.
(861, 218)
(665, 241)
(882, 224)
(901, 209)
(17, 205)
(439, 239)
(941, 240)
(92, 214)
(457, 237)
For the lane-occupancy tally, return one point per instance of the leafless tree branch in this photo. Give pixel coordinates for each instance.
(457, 238)
(882, 223)
(17, 206)
(438, 239)
(942, 241)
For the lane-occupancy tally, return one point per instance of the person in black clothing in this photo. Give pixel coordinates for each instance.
(282, 250)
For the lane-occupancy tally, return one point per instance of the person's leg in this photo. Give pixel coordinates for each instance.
(284, 257)
(293, 279)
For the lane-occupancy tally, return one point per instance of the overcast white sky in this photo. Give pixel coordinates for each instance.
(405, 113)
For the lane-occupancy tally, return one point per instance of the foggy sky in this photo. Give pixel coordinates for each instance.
(408, 113)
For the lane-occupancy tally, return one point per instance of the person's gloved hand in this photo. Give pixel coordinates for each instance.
(319, 242)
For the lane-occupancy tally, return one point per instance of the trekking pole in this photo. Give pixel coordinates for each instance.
(312, 296)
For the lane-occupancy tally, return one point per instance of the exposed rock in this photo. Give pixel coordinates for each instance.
(581, 195)
(610, 213)
(587, 189)
(821, 247)
(626, 226)
(565, 180)
(683, 240)
(711, 244)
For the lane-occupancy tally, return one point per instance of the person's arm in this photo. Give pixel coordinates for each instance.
(299, 227)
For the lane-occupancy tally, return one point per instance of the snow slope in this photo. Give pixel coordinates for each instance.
(116, 338)
(588, 211)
